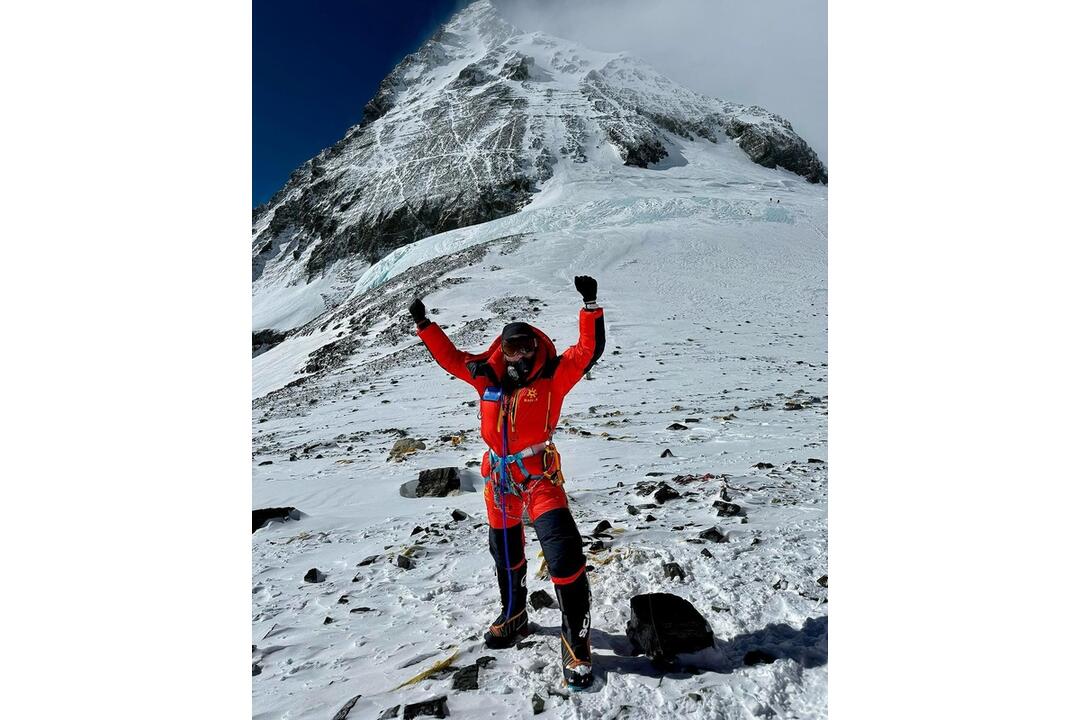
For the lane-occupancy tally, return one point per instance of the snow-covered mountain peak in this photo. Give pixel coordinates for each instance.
(470, 128)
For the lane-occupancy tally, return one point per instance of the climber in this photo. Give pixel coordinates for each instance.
(521, 382)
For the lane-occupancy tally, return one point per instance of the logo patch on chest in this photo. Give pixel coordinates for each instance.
(529, 394)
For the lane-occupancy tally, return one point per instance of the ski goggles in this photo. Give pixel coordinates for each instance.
(518, 348)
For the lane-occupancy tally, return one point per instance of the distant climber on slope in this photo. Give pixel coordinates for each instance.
(521, 382)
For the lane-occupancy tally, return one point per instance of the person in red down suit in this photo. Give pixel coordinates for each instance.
(522, 381)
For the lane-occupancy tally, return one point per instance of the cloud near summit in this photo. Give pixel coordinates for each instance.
(771, 53)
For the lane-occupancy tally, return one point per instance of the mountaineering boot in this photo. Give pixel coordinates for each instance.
(513, 621)
(576, 651)
(504, 633)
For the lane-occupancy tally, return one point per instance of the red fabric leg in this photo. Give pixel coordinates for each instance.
(512, 505)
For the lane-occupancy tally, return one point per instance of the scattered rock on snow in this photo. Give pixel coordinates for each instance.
(265, 515)
(713, 535)
(255, 669)
(537, 704)
(327, 620)
(485, 660)
(667, 453)
(823, 581)
(601, 527)
(763, 466)
(815, 461)
(674, 570)
(663, 625)
(677, 426)
(405, 447)
(665, 492)
(541, 599)
(467, 678)
(706, 553)
(405, 562)
(435, 707)
(343, 713)
(459, 515)
(314, 576)
(367, 561)
(438, 482)
(630, 509)
(726, 509)
(360, 610)
(390, 713)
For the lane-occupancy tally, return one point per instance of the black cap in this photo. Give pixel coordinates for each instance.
(516, 329)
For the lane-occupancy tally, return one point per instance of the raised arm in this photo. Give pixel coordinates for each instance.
(579, 359)
(442, 348)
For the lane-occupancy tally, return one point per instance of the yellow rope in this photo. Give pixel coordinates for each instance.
(441, 665)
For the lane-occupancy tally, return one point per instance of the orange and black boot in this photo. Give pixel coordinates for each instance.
(576, 650)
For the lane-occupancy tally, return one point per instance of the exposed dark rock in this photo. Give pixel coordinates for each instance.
(674, 570)
(601, 527)
(814, 461)
(343, 713)
(435, 707)
(416, 531)
(255, 669)
(327, 620)
(265, 515)
(266, 462)
(405, 563)
(263, 340)
(485, 660)
(763, 466)
(667, 453)
(361, 610)
(517, 67)
(597, 546)
(705, 552)
(758, 657)
(663, 625)
(343, 600)
(630, 509)
(665, 492)
(650, 518)
(467, 678)
(390, 713)
(367, 561)
(438, 482)
(459, 515)
(726, 509)
(713, 535)
(522, 644)
(823, 581)
(537, 704)
(405, 447)
(314, 575)
(770, 148)
(541, 599)
(677, 426)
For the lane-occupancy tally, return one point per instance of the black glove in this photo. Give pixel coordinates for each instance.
(586, 286)
(418, 311)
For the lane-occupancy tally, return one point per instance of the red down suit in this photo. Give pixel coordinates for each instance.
(522, 417)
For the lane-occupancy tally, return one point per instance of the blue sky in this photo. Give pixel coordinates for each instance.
(314, 65)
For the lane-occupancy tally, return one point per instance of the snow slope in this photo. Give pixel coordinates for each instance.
(715, 298)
